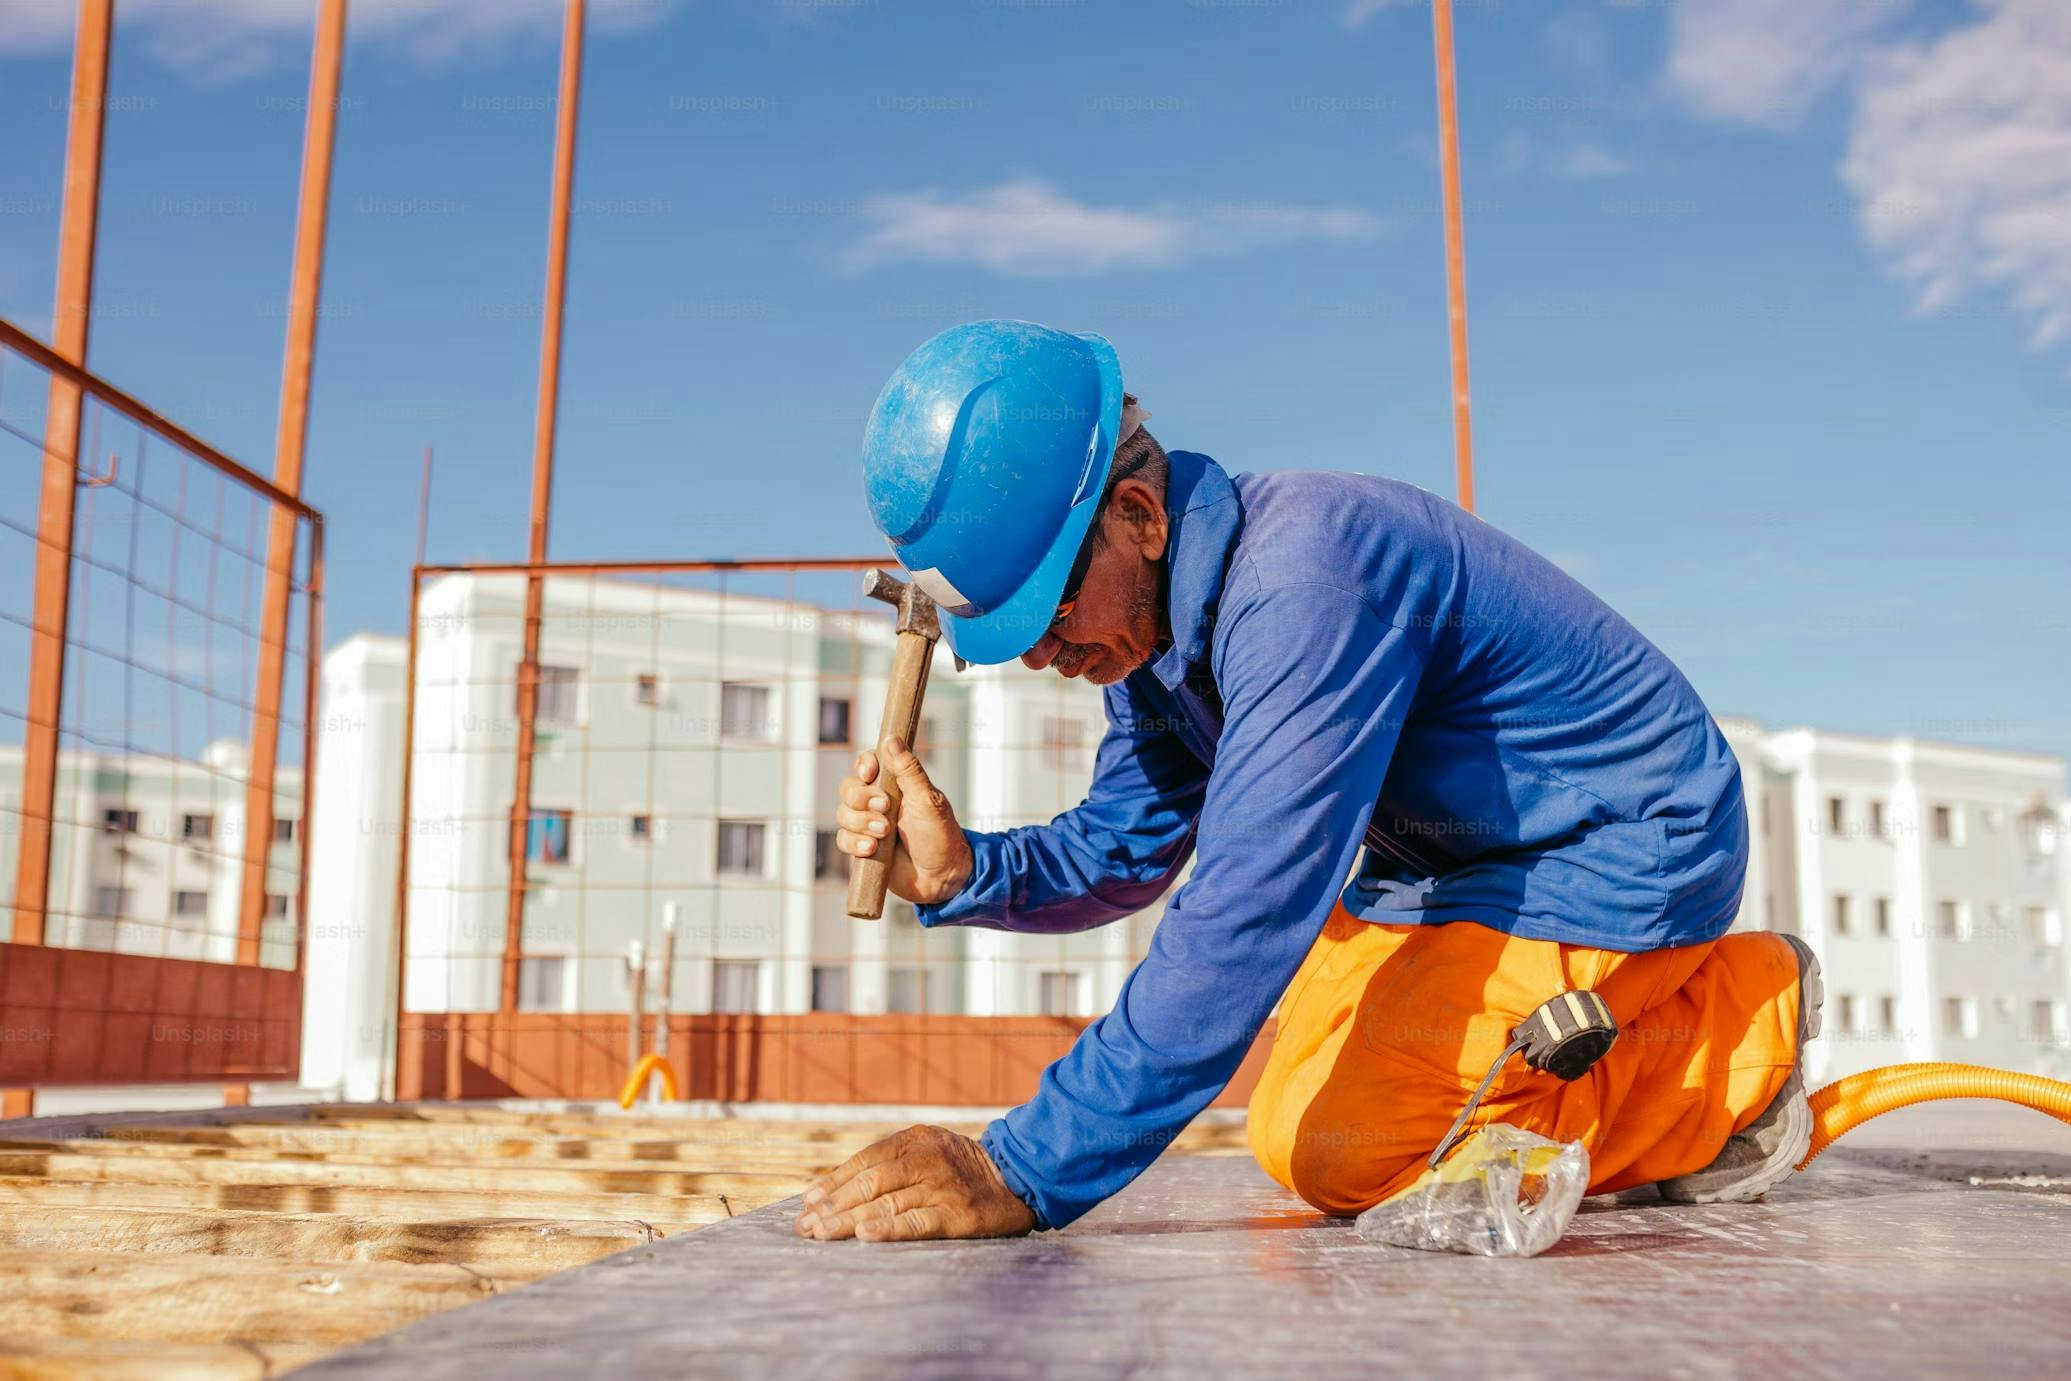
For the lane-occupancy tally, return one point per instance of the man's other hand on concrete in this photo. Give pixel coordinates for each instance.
(924, 1182)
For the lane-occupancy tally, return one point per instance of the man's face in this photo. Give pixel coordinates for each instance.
(1117, 620)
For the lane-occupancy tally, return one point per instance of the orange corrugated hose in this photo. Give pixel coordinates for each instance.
(650, 1063)
(1846, 1104)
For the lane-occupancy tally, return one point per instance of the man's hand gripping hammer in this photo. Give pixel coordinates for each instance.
(918, 629)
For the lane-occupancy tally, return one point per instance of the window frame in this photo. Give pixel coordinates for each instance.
(762, 852)
(563, 968)
(546, 813)
(558, 678)
(846, 973)
(766, 731)
(723, 966)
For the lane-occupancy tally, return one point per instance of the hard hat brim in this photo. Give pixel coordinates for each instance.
(1003, 633)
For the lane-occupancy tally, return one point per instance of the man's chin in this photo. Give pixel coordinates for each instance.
(1112, 668)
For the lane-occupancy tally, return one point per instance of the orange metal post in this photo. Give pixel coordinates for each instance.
(542, 486)
(1455, 255)
(305, 284)
(68, 333)
(402, 897)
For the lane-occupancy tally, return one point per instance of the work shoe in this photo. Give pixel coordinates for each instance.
(1763, 1154)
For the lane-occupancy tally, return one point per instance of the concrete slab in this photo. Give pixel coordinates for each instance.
(1904, 1253)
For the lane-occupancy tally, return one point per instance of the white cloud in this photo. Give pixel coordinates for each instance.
(1579, 160)
(225, 39)
(1764, 62)
(1356, 14)
(1027, 227)
(1960, 156)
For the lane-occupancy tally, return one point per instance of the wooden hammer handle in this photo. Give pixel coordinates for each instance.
(868, 876)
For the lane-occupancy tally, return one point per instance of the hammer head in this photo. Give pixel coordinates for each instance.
(916, 610)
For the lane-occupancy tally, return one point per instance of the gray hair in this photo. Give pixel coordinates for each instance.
(1139, 457)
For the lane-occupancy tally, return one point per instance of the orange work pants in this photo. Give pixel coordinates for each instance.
(1387, 1030)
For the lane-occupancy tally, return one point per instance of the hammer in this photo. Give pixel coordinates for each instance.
(918, 630)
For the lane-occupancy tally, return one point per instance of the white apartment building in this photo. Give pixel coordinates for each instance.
(147, 853)
(1932, 880)
(686, 757)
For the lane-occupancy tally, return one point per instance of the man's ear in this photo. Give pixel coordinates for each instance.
(1140, 511)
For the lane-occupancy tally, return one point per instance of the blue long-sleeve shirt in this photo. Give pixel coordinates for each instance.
(1352, 661)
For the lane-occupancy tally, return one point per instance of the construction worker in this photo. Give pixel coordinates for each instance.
(1298, 666)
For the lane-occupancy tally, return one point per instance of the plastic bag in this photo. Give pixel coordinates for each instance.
(1502, 1192)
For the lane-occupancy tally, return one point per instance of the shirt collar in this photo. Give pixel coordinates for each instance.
(1204, 516)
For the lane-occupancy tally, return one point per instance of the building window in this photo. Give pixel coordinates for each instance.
(1837, 815)
(734, 984)
(1845, 1013)
(1063, 739)
(830, 987)
(640, 828)
(1960, 1017)
(1841, 913)
(546, 836)
(2039, 831)
(1952, 921)
(284, 831)
(190, 903)
(744, 711)
(1877, 828)
(111, 901)
(277, 906)
(2042, 1019)
(543, 983)
(647, 689)
(834, 720)
(1883, 921)
(200, 828)
(2045, 928)
(119, 821)
(1948, 825)
(1058, 994)
(740, 846)
(1887, 1014)
(558, 687)
(826, 858)
(905, 990)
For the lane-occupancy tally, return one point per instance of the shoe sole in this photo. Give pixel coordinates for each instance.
(1752, 1182)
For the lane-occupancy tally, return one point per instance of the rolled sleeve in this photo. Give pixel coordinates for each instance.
(1106, 858)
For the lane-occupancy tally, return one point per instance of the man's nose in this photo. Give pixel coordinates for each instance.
(1043, 653)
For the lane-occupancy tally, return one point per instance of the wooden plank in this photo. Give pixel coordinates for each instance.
(70, 1359)
(517, 1248)
(668, 1213)
(600, 1126)
(337, 1143)
(613, 1124)
(497, 1178)
(135, 1297)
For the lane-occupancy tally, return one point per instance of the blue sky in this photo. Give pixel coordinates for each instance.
(1769, 301)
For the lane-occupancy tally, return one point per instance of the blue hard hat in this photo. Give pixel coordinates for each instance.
(983, 462)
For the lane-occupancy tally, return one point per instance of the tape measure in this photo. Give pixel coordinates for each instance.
(1563, 1036)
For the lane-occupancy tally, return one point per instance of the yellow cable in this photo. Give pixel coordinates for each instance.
(1842, 1106)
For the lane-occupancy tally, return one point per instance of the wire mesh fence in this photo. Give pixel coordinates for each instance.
(156, 649)
(691, 729)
